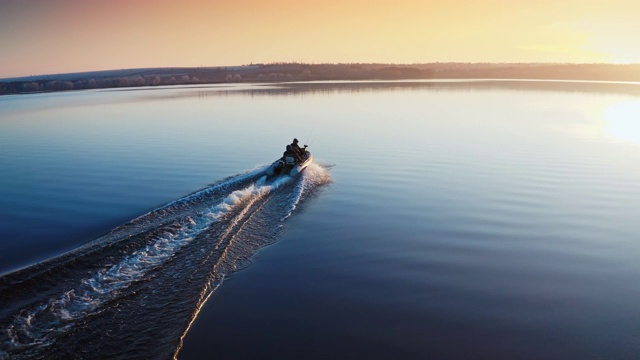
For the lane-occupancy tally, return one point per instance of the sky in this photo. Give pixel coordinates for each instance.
(59, 36)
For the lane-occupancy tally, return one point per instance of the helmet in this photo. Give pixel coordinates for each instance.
(295, 141)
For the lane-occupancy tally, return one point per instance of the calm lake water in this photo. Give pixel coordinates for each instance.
(441, 219)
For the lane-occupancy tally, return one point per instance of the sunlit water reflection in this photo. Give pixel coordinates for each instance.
(465, 219)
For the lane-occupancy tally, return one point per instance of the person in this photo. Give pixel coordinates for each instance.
(291, 152)
(302, 152)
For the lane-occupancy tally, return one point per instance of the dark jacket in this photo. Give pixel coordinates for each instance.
(300, 151)
(291, 152)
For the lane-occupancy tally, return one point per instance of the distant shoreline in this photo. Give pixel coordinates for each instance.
(280, 72)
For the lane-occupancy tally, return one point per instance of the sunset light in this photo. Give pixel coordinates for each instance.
(74, 35)
(319, 179)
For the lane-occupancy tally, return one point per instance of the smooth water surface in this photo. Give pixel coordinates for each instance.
(453, 219)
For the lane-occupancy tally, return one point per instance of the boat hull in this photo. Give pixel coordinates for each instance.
(278, 167)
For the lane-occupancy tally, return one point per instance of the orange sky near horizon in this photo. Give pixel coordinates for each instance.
(56, 36)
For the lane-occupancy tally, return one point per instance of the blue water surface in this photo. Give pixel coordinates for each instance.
(465, 219)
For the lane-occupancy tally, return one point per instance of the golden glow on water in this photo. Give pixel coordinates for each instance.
(204, 297)
(623, 121)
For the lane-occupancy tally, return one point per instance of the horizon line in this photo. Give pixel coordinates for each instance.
(17, 78)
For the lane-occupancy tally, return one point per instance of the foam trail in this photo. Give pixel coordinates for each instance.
(220, 186)
(169, 259)
(314, 175)
(40, 326)
(168, 211)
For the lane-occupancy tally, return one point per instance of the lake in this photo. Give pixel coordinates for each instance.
(480, 219)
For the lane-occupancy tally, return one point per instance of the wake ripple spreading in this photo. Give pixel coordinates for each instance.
(135, 291)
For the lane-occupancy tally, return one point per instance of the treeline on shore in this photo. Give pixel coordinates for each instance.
(285, 72)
